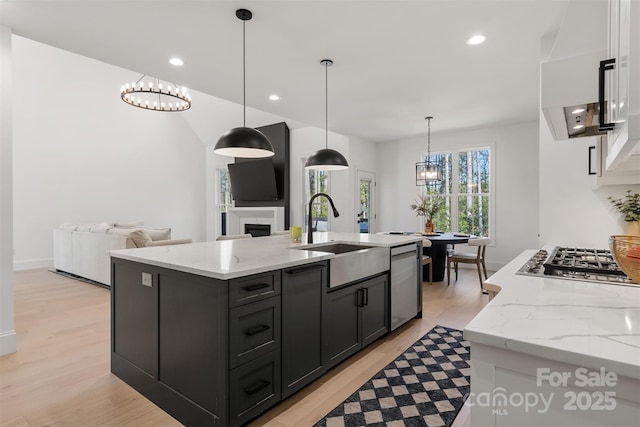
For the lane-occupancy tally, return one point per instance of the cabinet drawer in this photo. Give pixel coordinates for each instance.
(254, 387)
(254, 330)
(244, 290)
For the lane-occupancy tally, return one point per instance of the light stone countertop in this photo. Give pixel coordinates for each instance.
(588, 324)
(229, 259)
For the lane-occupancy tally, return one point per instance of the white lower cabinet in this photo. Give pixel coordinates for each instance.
(509, 388)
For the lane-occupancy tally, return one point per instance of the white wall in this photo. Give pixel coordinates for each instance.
(572, 211)
(82, 155)
(516, 186)
(7, 332)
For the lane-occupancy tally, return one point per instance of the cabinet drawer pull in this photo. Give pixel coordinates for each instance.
(360, 302)
(256, 330)
(256, 387)
(366, 296)
(257, 286)
(305, 269)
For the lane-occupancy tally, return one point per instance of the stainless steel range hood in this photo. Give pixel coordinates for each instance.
(569, 95)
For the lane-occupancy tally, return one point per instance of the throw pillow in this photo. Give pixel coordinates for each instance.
(84, 227)
(139, 237)
(157, 233)
(102, 227)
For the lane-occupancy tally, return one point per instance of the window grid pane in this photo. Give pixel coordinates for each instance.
(473, 167)
(316, 182)
(225, 200)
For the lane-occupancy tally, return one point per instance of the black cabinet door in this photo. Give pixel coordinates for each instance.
(341, 320)
(135, 315)
(375, 309)
(354, 317)
(302, 290)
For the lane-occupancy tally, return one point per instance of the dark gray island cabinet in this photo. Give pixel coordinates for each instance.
(216, 352)
(221, 350)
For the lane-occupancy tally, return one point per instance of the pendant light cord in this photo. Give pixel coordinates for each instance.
(244, 78)
(326, 105)
(428, 139)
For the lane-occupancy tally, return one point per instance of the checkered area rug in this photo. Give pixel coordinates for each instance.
(425, 386)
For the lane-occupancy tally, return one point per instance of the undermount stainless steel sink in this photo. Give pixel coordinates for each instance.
(352, 262)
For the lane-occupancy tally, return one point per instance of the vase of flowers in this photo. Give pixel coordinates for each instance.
(629, 206)
(428, 206)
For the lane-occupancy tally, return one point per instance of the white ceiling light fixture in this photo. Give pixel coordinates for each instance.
(152, 94)
(476, 39)
(242, 141)
(274, 97)
(177, 62)
(326, 158)
(428, 172)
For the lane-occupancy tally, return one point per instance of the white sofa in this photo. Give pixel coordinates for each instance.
(83, 250)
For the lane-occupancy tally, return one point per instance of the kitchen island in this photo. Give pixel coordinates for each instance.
(217, 332)
(548, 351)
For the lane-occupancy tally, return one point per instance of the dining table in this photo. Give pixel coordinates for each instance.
(438, 251)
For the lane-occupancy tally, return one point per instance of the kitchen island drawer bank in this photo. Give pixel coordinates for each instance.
(216, 333)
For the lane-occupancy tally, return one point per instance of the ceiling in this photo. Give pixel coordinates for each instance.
(395, 62)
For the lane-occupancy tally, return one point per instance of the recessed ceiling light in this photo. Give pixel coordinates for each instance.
(578, 111)
(578, 127)
(177, 62)
(477, 39)
(274, 97)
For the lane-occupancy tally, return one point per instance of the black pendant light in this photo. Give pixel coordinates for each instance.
(243, 141)
(428, 172)
(326, 158)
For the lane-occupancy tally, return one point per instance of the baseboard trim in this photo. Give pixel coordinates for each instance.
(32, 264)
(8, 343)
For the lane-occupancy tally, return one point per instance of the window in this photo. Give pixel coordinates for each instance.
(466, 190)
(224, 199)
(473, 192)
(315, 181)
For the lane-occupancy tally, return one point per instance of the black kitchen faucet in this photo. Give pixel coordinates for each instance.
(310, 225)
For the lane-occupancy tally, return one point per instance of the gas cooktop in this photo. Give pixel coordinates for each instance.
(585, 264)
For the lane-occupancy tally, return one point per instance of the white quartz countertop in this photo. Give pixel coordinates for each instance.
(229, 259)
(591, 325)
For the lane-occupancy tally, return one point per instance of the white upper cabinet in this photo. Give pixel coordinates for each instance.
(622, 86)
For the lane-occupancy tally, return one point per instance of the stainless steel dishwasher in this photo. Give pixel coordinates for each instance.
(405, 289)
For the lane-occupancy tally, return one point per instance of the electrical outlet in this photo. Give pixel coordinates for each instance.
(147, 279)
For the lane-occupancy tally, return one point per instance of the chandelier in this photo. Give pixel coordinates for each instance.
(154, 95)
(428, 171)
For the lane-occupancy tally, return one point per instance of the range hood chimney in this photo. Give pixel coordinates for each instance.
(569, 95)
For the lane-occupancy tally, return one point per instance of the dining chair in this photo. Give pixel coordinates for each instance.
(234, 237)
(470, 258)
(427, 260)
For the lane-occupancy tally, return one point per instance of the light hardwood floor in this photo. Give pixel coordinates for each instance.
(61, 376)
